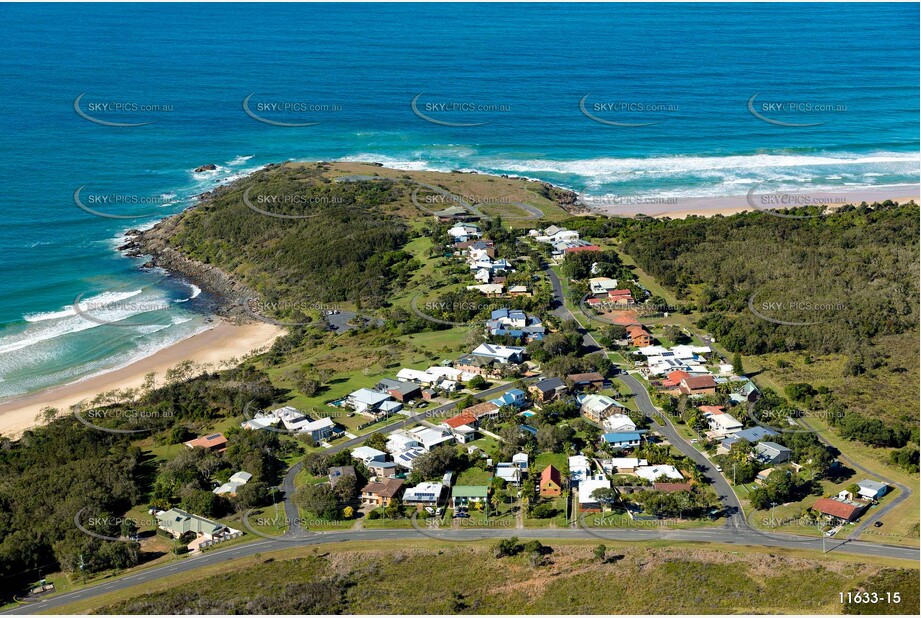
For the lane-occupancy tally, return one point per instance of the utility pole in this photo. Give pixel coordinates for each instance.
(773, 524)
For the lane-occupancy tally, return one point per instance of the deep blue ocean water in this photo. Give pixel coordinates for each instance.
(850, 72)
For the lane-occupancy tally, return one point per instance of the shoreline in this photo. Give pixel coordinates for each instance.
(683, 207)
(222, 342)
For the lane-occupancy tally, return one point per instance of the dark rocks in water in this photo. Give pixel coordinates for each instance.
(210, 167)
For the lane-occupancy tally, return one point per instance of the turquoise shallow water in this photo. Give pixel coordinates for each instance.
(684, 72)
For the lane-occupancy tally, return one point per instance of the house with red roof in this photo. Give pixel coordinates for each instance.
(698, 385)
(838, 509)
(551, 483)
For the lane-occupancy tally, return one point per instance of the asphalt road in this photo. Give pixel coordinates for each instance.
(724, 534)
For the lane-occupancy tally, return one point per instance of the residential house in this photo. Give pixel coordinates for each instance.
(430, 437)
(620, 298)
(406, 391)
(771, 453)
(453, 213)
(178, 522)
(424, 494)
(488, 289)
(215, 442)
(320, 429)
(382, 469)
(406, 458)
(551, 483)
(639, 336)
(600, 286)
(587, 502)
(381, 493)
(622, 465)
(654, 473)
(367, 402)
(838, 509)
(548, 389)
(752, 434)
(401, 440)
(477, 365)
(586, 381)
(367, 455)
(579, 468)
(723, 424)
(463, 496)
(579, 246)
(872, 490)
(235, 482)
(621, 440)
(338, 473)
(515, 323)
(464, 232)
(698, 385)
(618, 423)
(514, 397)
(509, 472)
(485, 410)
(463, 427)
(596, 408)
(500, 353)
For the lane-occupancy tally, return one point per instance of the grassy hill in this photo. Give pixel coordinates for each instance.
(468, 579)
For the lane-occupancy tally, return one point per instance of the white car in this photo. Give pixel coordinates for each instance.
(429, 510)
(719, 469)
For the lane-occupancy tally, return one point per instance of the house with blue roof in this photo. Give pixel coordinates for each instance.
(752, 434)
(514, 397)
(623, 439)
(515, 323)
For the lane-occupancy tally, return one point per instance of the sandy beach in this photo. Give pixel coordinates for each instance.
(222, 342)
(679, 208)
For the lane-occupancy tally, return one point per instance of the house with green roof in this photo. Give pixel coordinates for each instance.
(464, 495)
(178, 522)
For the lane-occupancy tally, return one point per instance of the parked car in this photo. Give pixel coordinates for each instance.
(429, 510)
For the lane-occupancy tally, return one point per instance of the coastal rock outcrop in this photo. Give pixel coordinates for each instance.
(210, 167)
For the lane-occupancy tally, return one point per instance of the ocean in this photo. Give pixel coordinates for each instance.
(631, 100)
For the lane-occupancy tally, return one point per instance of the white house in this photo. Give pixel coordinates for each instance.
(366, 454)
(579, 468)
(366, 401)
(723, 424)
(235, 482)
(601, 285)
(424, 494)
(872, 490)
(430, 437)
(502, 353)
(587, 487)
(464, 232)
(653, 473)
(618, 423)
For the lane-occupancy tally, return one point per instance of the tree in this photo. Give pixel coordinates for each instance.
(477, 383)
(318, 499)
(601, 553)
(377, 440)
(253, 494)
(737, 367)
(348, 512)
(434, 463)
